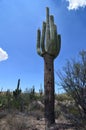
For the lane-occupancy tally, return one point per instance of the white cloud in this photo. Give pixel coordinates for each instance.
(3, 55)
(75, 4)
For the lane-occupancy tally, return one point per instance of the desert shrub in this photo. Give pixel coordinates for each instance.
(16, 123)
(3, 101)
(73, 80)
(63, 97)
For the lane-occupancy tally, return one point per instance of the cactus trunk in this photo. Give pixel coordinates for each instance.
(49, 89)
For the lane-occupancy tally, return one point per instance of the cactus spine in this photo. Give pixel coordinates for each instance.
(48, 46)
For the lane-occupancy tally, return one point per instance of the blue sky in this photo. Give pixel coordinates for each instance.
(19, 21)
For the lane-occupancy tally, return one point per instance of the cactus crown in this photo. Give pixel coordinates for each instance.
(49, 41)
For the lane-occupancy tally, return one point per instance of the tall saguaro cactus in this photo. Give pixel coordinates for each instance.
(48, 46)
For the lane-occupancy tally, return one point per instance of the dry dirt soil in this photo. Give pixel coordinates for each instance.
(23, 121)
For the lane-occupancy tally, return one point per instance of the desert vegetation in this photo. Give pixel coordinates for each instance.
(73, 80)
(31, 110)
(26, 112)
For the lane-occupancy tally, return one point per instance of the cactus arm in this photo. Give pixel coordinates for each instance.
(55, 34)
(58, 43)
(59, 38)
(43, 38)
(18, 84)
(51, 27)
(47, 29)
(53, 44)
(38, 42)
(38, 38)
(47, 15)
(52, 49)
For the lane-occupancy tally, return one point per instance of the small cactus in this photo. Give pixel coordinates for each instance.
(17, 91)
(49, 42)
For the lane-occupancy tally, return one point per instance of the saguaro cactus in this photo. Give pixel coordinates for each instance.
(17, 91)
(48, 46)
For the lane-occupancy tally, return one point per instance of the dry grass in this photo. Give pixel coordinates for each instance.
(13, 122)
(20, 121)
(16, 122)
(33, 119)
